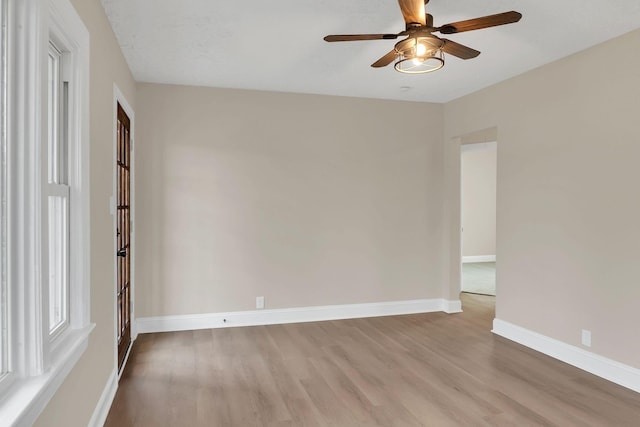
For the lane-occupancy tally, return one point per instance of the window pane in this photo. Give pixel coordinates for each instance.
(58, 262)
(54, 114)
(63, 142)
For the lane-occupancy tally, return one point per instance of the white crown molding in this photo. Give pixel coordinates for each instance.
(106, 399)
(479, 258)
(619, 373)
(292, 315)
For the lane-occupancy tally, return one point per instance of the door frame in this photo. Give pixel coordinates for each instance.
(452, 224)
(119, 98)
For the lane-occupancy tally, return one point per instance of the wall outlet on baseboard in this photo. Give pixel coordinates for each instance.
(259, 302)
(586, 338)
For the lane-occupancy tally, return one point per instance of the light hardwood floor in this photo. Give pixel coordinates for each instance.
(417, 370)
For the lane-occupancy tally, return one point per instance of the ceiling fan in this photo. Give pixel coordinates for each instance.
(421, 51)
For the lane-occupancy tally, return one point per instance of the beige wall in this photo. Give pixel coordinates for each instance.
(76, 399)
(479, 199)
(312, 200)
(305, 200)
(567, 233)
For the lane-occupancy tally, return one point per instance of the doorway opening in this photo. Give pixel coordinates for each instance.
(478, 170)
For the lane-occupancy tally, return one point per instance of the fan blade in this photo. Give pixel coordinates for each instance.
(478, 23)
(354, 37)
(413, 11)
(385, 60)
(459, 50)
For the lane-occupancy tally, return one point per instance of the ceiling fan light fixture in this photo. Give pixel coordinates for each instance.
(418, 55)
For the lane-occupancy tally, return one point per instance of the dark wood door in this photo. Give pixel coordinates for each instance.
(123, 235)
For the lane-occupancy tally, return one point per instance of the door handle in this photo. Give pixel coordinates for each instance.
(122, 253)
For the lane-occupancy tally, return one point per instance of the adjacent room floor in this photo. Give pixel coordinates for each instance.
(418, 370)
(479, 278)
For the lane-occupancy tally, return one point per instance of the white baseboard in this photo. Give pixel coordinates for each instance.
(452, 306)
(106, 399)
(292, 315)
(479, 258)
(624, 375)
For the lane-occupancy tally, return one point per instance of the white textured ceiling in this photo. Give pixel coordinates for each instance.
(278, 46)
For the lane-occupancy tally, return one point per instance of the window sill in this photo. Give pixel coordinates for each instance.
(25, 399)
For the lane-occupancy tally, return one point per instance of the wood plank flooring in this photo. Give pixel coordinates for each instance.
(418, 370)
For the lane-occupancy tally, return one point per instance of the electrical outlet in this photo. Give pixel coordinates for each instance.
(259, 302)
(586, 338)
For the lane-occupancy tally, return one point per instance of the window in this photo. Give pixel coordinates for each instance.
(44, 203)
(57, 191)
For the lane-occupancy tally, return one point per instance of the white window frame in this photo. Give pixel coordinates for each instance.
(38, 363)
(4, 295)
